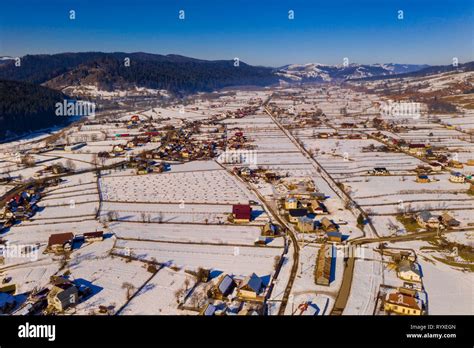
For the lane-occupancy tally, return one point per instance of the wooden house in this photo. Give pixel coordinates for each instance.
(328, 226)
(305, 224)
(250, 288)
(449, 221)
(62, 296)
(224, 287)
(409, 271)
(323, 265)
(295, 214)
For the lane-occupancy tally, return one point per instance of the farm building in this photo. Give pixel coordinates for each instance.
(323, 265)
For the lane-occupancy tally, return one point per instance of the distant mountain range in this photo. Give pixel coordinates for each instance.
(174, 73)
(325, 73)
(27, 99)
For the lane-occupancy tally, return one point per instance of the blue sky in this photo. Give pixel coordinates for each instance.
(257, 31)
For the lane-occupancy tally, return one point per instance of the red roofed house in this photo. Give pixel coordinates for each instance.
(60, 242)
(402, 304)
(94, 236)
(241, 213)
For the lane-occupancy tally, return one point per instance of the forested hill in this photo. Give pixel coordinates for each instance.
(26, 107)
(108, 71)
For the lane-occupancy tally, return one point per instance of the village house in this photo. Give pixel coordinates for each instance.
(62, 296)
(327, 225)
(305, 224)
(60, 242)
(250, 288)
(318, 207)
(291, 203)
(97, 236)
(270, 230)
(449, 221)
(208, 310)
(402, 304)
(455, 164)
(427, 220)
(417, 149)
(457, 177)
(435, 166)
(241, 213)
(402, 255)
(118, 150)
(335, 236)
(224, 287)
(423, 179)
(409, 271)
(295, 214)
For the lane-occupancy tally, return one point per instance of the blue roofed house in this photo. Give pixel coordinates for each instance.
(251, 287)
(224, 287)
(208, 310)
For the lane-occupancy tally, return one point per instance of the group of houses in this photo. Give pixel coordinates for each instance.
(229, 295)
(21, 206)
(302, 210)
(61, 295)
(409, 299)
(426, 219)
(257, 174)
(64, 242)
